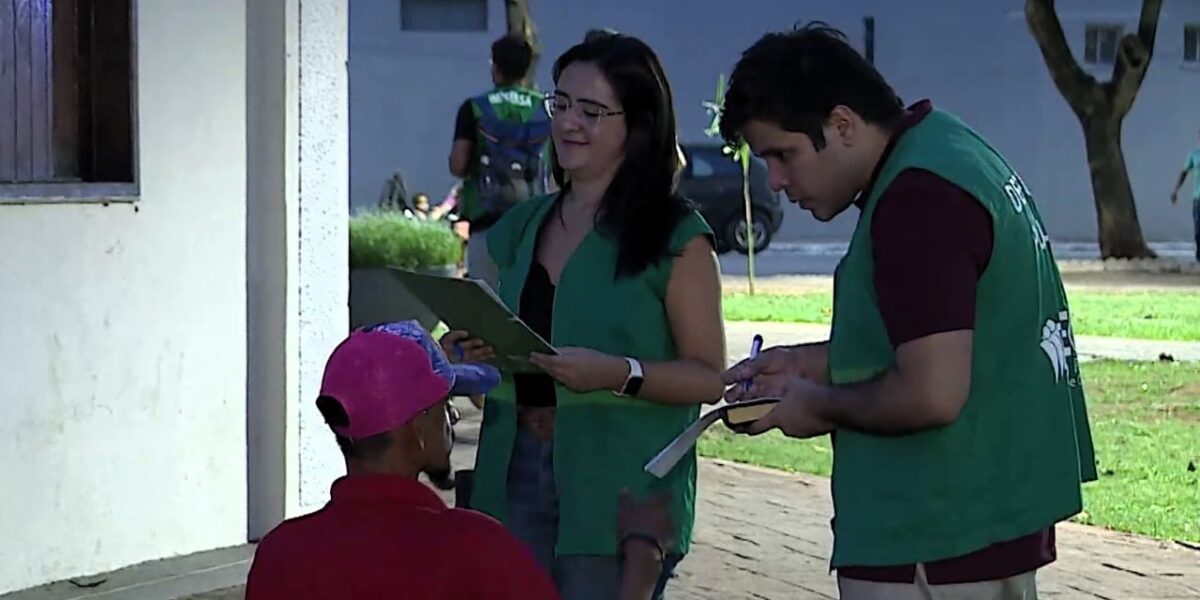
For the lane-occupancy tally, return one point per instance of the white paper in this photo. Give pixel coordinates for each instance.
(670, 456)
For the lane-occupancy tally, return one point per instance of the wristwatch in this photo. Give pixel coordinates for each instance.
(633, 381)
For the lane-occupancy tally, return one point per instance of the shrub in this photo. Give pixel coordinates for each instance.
(389, 239)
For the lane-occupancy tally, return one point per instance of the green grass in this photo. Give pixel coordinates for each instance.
(1146, 427)
(1157, 315)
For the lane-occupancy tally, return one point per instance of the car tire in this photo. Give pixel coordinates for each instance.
(735, 233)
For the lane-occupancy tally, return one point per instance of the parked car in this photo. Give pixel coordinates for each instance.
(714, 182)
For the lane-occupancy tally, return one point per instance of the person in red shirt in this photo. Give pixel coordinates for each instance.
(384, 534)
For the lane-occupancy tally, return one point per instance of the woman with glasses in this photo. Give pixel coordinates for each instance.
(618, 272)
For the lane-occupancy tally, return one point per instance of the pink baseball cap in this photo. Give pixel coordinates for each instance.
(381, 381)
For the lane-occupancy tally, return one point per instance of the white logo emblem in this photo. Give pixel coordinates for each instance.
(1056, 343)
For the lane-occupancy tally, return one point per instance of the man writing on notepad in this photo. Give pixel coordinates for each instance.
(950, 379)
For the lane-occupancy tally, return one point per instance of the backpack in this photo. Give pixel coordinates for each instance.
(510, 169)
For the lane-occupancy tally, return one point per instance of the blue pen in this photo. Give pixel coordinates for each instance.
(755, 348)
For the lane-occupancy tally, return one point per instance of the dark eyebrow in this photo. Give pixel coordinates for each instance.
(771, 151)
(586, 100)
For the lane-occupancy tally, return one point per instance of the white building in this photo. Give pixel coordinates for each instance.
(173, 266)
(413, 61)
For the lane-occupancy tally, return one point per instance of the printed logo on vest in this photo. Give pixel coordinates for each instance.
(1018, 197)
(511, 97)
(1058, 345)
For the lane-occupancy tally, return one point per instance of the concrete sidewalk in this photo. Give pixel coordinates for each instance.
(739, 333)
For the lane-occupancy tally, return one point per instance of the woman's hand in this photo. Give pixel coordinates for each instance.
(583, 369)
(459, 346)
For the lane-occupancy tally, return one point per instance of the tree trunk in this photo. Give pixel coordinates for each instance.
(520, 22)
(1101, 108)
(1119, 230)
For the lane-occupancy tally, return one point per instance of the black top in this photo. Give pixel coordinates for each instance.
(465, 123)
(537, 311)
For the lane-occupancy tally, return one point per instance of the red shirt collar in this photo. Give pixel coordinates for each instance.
(354, 489)
(912, 116)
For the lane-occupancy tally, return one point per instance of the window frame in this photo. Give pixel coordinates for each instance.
(484, 6)
(99, 190)
(1192, 29)
(1098, 30)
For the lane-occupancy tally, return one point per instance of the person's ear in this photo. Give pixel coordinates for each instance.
(844, 124)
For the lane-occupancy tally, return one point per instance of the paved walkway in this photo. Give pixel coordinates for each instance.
(764, 535)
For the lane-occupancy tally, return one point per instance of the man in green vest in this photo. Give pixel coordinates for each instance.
(500, 139)
(950, 382)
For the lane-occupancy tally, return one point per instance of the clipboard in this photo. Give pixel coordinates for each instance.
(470, 305)
(733, 415)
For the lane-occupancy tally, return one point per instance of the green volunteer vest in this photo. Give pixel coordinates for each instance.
(1013, 461)
(512, 103)
(601, 441)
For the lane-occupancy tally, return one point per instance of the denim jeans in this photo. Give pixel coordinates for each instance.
(533, 519)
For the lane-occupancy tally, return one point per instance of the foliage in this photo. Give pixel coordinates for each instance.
(389, 239)
(741, 155)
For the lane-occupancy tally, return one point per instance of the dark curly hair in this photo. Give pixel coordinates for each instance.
(795, 78)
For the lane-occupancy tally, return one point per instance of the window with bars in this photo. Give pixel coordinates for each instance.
(66, 98)
(1100, 44)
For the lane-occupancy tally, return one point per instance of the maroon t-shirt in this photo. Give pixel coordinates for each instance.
(931, 241)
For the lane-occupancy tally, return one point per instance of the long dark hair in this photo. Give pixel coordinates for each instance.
(640, 208)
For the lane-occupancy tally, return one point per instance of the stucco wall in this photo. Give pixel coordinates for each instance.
(123, 346)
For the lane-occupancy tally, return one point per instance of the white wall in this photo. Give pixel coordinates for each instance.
(123, 349)
(322, 273)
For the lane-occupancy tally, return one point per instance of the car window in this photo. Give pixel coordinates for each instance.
(701, 168)
(717, 164)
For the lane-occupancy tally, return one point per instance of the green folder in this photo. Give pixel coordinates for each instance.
(470, 305)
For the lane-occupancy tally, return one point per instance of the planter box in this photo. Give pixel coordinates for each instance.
(377, 297)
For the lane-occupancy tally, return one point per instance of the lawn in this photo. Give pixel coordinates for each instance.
(1156, 315)
(1146, 427)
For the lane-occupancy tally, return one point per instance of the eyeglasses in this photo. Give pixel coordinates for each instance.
(592, 112)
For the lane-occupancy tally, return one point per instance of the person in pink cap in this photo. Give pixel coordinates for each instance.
(384, 534)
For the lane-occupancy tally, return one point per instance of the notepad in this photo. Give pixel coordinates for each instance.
(733, 415)
(471, 305)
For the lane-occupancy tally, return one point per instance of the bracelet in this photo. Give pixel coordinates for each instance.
(645, 537)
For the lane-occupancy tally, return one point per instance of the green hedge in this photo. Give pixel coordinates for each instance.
(389, 239)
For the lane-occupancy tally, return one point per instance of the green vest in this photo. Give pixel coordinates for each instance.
(1012, 463)
(512, 103)
(601, 441)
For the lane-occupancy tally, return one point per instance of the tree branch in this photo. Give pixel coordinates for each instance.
(1148, 23)
(1076, 86)
(520, 22)
(1133, 58)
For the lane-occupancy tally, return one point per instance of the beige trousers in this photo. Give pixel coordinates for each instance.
(1017, 587)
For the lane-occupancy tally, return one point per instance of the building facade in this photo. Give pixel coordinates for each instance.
(413, 61)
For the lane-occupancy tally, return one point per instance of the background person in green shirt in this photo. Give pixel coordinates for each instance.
(950, 381)
(619, 273)
(1192, 166)
(498, 151)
